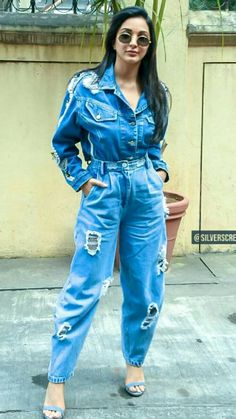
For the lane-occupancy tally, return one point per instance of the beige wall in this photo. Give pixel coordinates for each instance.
(184, 72)
(38, 208)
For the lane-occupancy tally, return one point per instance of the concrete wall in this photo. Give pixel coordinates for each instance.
(38, 209)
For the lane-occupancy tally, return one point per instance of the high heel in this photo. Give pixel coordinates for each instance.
(53, 408)
(133, 384)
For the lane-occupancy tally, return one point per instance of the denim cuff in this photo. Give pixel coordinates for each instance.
(134, 363)
(58, 380)
(82, 180)
(161, 165)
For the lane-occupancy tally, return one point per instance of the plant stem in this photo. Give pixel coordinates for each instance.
(154, 12)
(160, 18)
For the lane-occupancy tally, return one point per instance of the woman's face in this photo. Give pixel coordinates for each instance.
(133, 30)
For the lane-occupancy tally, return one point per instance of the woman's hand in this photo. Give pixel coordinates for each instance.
(162, 174)
(87, 186)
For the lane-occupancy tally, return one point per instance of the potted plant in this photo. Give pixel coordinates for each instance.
(176, 206)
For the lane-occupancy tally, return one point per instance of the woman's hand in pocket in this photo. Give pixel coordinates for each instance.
(162, 174)
(87, 186)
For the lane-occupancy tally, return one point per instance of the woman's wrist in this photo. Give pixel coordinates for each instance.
(162, 173)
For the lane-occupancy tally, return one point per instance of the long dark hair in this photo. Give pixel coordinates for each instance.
(154, 90)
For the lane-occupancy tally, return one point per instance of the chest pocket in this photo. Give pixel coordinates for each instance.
(148, 129)
(99, 112)
(150, 119)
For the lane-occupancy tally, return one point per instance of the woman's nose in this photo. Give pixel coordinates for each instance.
(133, 40)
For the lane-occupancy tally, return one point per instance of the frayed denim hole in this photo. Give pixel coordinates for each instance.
(93, 242)
(152, 314)
(165, 207)
(63, 330)
(105, 285)
(162, 264)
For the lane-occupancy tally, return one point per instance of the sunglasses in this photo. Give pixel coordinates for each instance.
(142, 40)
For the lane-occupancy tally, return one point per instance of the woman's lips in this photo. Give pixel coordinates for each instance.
(132, 52)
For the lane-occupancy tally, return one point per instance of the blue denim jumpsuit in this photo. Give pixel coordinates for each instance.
(115, 140)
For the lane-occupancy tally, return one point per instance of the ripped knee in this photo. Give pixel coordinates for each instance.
(152, 314)
(63, 330)
(93, 242)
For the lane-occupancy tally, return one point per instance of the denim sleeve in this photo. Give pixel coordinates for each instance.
(64, 150)
(154, 151)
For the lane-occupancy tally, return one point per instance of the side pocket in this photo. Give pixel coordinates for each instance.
(95, 176)
(90, 192)
(162, 181)
(157, 176)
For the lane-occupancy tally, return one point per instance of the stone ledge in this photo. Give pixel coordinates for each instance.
(50, 29)
(45, 20)
(209, 28)
(49, 38)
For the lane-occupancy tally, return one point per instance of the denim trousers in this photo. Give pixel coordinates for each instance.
(131, 207)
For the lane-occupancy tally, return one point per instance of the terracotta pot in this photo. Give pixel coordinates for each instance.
(177, 205)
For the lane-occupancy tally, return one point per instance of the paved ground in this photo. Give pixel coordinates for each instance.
(190, 369)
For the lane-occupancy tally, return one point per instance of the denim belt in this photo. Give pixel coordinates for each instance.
(120, 165)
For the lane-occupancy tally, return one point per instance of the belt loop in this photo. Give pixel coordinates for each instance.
(147, 161)
(102, 167)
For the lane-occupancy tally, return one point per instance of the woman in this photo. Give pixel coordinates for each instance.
(119, 112)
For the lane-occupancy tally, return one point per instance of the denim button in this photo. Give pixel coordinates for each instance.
(124, 164)
(132, 142)
(98, 116)
(133, 123)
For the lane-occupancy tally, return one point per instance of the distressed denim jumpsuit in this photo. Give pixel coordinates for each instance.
(115, 140)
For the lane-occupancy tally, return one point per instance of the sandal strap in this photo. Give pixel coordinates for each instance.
(135, 383)
(55, 408)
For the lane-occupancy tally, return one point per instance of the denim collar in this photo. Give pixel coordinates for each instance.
(108, 82)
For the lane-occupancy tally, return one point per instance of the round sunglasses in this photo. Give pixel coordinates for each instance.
(142, 40)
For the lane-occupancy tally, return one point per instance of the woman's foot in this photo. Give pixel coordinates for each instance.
(135, 374)
(54, 397)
